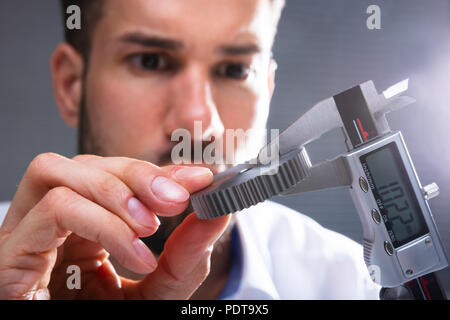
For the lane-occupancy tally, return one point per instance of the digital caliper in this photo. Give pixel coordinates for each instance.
(402, 248)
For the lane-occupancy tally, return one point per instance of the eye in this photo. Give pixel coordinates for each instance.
(236, 71)
(151, 61)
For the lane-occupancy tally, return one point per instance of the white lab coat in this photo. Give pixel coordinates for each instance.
(287, 255)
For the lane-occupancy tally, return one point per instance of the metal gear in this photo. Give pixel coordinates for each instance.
(245, 185)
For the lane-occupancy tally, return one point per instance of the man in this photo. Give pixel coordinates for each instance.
(137, 71)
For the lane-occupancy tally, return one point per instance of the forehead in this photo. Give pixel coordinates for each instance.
(195, 22)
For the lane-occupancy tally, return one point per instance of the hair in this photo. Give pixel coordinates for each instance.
(81, 39)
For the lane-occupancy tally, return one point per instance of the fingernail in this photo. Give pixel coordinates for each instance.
(141, 214)
(168, 190)
(191, 172)
(144, 253)
(210, 249)
(208, 252)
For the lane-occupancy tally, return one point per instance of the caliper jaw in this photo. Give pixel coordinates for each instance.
(359, 111)
(325, 175)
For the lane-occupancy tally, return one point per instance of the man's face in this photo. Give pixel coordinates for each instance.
(157, 66)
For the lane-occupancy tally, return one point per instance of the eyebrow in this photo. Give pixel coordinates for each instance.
(152, 41)
(237, 50)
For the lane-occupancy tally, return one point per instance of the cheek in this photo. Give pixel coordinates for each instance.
(246, 105)
(244, 108)
(124, 115)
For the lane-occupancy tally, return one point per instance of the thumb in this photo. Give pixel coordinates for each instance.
(184, 263)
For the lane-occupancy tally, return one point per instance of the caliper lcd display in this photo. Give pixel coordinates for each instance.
(394, 194)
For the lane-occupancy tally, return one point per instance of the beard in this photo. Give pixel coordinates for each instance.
(87, 144)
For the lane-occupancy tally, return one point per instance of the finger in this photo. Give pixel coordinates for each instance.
(49, 171)
(191, 178)
(184, 263)
(77, 248)
(63, 211)
(164, 190)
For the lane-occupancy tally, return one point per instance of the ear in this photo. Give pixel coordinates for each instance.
(273, 66)
(66, 66)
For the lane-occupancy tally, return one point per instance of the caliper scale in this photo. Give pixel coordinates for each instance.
(402, 247)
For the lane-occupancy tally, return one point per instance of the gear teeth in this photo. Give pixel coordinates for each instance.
(209, 204)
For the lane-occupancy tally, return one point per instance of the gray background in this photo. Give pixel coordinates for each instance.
(322, 48)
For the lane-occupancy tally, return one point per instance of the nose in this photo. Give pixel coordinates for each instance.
(191, 100)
